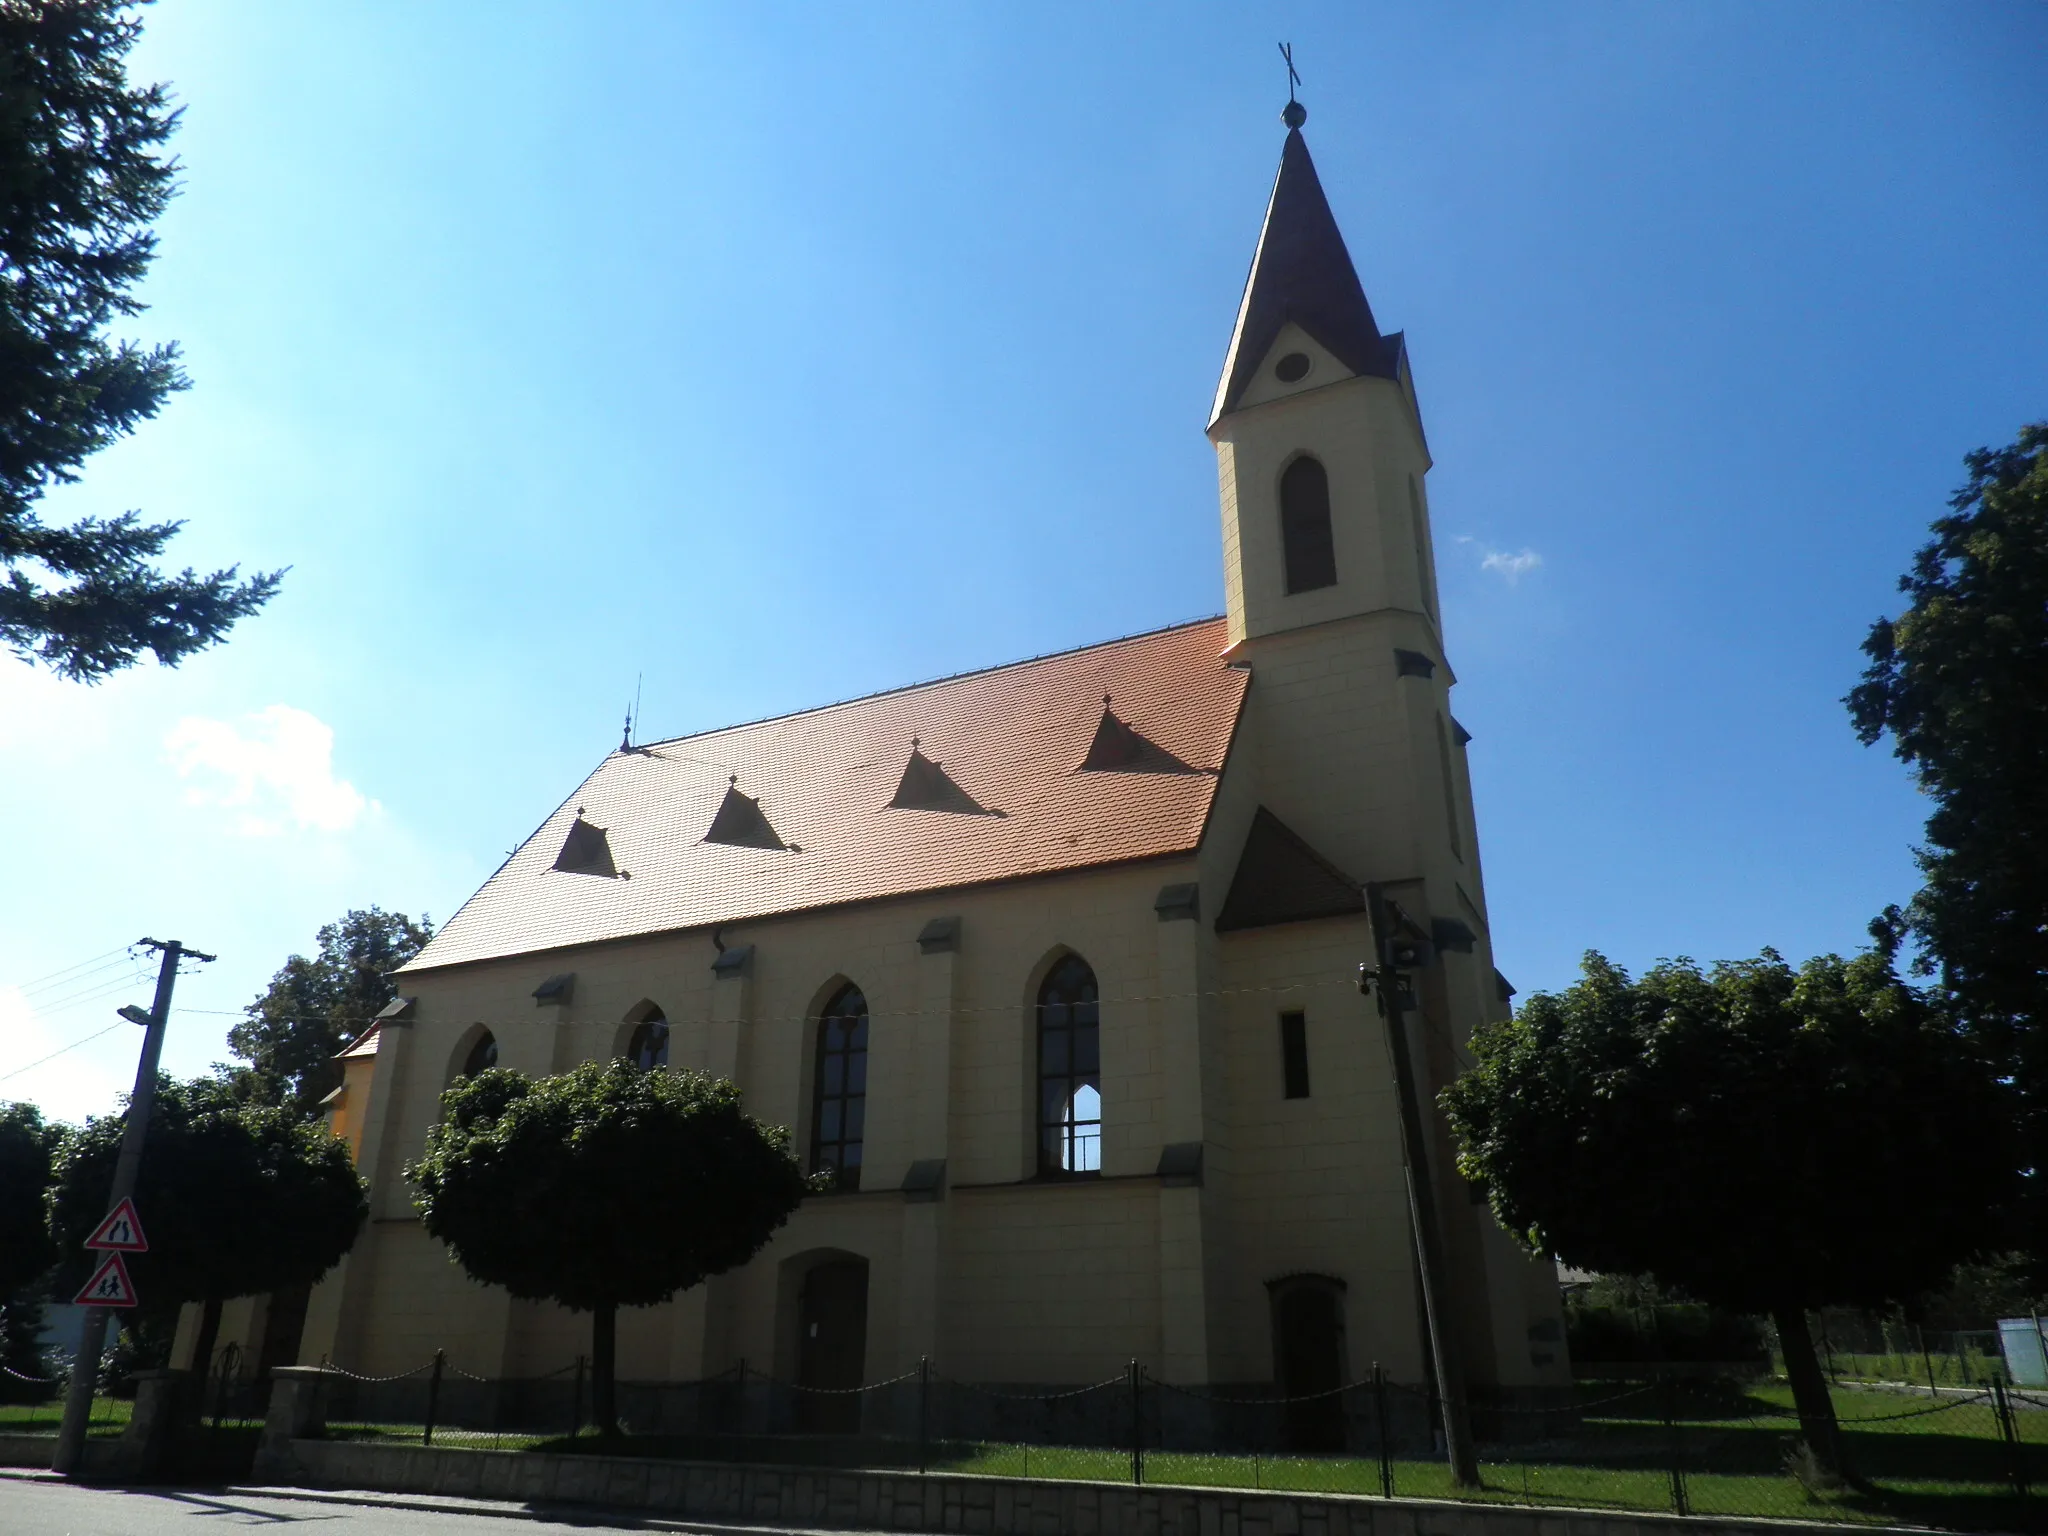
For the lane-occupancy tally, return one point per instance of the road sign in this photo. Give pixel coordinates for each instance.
(121, 1232)
(109, 1285)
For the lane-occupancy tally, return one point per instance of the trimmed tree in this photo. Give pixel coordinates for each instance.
(237, 1199)
(82, 179)
(604, 1187)
(1959, 681)
(1764, 1139)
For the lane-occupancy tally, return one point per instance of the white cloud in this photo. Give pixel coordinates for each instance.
(1513, 566)
(276, 766)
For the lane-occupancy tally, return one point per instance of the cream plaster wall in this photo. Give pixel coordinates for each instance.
(1006, 1278)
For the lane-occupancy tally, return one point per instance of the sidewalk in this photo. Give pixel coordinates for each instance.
(435, 1504)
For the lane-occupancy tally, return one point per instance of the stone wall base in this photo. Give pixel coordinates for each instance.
(811, 1497)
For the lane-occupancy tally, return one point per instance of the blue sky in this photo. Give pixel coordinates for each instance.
(782, 353)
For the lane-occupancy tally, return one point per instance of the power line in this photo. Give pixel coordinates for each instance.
(30, 986)
(74, 1045)
(97, 992)
(76, 978)
(1344, 983)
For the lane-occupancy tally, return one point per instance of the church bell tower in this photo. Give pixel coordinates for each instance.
(1330, 581)
(1318, 437)
(1352, 767)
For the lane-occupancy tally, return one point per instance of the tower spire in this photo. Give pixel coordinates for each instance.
(1302, 273)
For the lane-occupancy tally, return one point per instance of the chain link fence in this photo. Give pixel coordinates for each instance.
(1959, 1456)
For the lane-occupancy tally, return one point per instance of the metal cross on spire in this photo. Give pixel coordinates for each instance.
(1294, 114)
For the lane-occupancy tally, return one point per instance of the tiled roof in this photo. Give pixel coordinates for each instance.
(1302, 273)
(364, 1044)
(1012, 739)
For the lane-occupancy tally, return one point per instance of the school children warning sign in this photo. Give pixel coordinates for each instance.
(121, 1232)
(109, 1285)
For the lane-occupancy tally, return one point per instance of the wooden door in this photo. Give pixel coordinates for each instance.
(832, 1345)
(1308, 1339)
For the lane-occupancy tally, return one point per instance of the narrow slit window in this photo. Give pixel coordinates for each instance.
(1294, 1055)
(1425, 573)
(1443, 752)
(1308, 548)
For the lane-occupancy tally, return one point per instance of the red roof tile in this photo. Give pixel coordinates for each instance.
(1013, 739)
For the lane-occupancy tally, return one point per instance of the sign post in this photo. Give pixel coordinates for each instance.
(85, 1365)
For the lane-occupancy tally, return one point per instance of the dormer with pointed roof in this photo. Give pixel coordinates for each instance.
(1309, 375)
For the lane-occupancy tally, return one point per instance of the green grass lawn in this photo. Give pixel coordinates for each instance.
(109, 1416)
(1936, 1468)
(1939, 1468)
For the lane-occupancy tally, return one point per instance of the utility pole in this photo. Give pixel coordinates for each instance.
(85, 1365)
(1385, 982)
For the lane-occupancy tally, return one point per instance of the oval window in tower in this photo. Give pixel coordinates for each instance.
(1292, 368)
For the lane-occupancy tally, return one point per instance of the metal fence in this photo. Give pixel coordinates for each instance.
(34, 1405)
(1886, 1350)
(1964, 1457)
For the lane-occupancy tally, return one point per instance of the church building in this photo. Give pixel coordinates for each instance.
(1051, 967)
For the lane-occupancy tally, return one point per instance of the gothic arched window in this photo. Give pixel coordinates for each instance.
(1069, 1071)
(839, 1100)
(1307, 546)
(648, 1048)
(482, 1056)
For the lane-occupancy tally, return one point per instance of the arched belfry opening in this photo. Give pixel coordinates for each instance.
(1308, 546)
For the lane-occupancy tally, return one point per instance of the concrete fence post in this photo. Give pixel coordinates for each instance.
(295, 1414)
(146, 1445)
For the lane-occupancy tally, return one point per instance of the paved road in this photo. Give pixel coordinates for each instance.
(40, 1507)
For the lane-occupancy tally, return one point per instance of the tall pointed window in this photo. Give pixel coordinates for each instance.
(839, 1099)
(1307, 547)
(482, 1056)
(1069, 1072)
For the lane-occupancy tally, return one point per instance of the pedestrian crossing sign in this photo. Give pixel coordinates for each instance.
(121, 1232)
(109, 1285)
